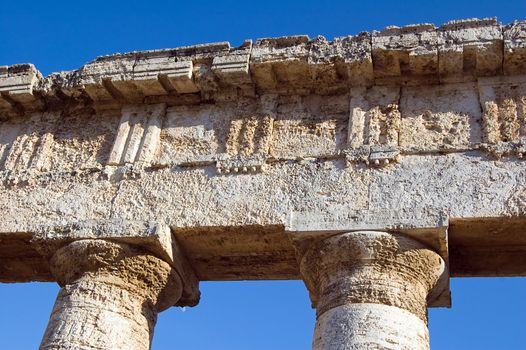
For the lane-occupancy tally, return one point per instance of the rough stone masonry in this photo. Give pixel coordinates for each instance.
(373, 167)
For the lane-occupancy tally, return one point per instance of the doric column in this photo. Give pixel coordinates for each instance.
(370, 290)
(111, 294)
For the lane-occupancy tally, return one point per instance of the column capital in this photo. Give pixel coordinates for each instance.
(370, 267)
(370, 289)
(426, 225)
(131, 268)
(152, 237)
(111, 293)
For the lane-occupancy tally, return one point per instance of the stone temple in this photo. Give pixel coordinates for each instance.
(372, 167)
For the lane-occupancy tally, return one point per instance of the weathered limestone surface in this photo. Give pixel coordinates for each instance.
(225, 163)
(110, 296)
(224, 145)
(370, 290)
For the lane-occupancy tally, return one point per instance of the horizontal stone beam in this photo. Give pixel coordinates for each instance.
(458, 51)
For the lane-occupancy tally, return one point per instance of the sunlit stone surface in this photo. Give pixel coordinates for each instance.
(218, 163)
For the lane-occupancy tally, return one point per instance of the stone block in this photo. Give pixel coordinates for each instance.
(405, 54)
(470, 48)
(17, 87)
(515, 48)
(233, 68)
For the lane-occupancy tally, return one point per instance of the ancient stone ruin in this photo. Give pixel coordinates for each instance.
(372, 167)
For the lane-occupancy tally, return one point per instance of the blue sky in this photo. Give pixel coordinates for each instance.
(487, 313)
(58, 35)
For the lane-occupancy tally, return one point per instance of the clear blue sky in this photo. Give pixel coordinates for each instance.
(60, 35)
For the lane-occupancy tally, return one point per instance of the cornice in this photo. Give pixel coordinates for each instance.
(457, 51)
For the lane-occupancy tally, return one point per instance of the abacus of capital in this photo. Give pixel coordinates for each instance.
(373, 167)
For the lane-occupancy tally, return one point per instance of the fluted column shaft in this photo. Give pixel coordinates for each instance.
(110, 296)
(370, 290)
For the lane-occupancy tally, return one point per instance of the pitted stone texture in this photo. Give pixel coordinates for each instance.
(369, 326)
(110, 296)
(370, 290)
(441, 117)
(316, 137)
(515, 48)
(470, 48)
(457, 51)
(409, 51)
(371, 267)
(17, 83)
